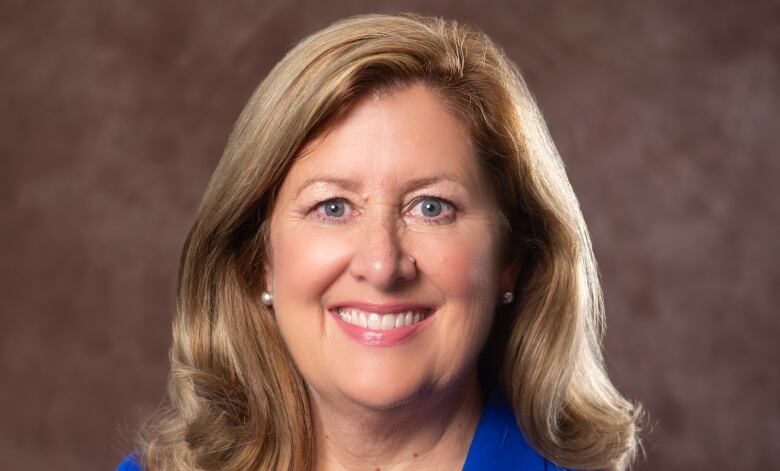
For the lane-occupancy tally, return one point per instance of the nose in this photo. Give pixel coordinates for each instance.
(379, 258)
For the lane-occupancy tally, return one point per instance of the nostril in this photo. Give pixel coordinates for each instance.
(408, 267)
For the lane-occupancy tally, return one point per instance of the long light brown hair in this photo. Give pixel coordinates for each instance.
(237, 401)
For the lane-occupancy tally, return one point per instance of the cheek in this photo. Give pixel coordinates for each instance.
(306, 263)
(461, 264)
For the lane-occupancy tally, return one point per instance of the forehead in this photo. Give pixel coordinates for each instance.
(406, 135)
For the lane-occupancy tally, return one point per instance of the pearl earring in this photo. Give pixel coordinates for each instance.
(267, 298)
(508, 297)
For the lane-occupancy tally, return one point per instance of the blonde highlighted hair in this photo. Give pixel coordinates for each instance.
(237, 400)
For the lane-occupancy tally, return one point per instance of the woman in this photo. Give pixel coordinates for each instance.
(389, 270)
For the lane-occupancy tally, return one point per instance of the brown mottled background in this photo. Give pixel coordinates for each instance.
(113, 114)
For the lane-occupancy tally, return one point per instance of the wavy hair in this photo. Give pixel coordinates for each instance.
(237, 401)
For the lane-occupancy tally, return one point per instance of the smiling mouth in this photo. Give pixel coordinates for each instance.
(377, 321)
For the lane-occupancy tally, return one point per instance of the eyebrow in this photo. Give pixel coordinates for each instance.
(340, 182)
(354, 186)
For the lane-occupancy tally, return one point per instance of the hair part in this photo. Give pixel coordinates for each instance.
(237, 399)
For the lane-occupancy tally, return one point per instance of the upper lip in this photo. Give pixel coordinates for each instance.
(382, 308)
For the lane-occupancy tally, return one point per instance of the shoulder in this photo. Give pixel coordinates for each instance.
(499, 443)
(130, 463)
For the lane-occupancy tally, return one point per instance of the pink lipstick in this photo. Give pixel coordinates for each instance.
(381, 325)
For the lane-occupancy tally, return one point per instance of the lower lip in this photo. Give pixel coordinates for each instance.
(381, 338)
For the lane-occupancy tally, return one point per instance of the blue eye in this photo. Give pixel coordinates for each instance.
(432, 208)
(334, 208)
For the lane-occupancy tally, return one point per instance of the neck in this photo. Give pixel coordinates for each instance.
(433, 431)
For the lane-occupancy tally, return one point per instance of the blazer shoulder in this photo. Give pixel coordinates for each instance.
(130, 463)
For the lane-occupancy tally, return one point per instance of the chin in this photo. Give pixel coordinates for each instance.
(385, 394)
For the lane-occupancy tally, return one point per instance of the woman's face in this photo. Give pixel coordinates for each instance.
(386, 254)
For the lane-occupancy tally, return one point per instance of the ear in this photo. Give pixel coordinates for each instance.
(511, 271)
(268, 277)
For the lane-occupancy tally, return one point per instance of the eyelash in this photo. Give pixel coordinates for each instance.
(325, 218)
(437, 220)
(445, 217)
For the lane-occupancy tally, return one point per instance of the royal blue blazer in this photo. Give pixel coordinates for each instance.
(498, 444)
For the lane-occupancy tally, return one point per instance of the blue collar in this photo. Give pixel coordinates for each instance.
(498, 442)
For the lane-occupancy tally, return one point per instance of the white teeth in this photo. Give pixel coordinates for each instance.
(388, 322)
(375, 321)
